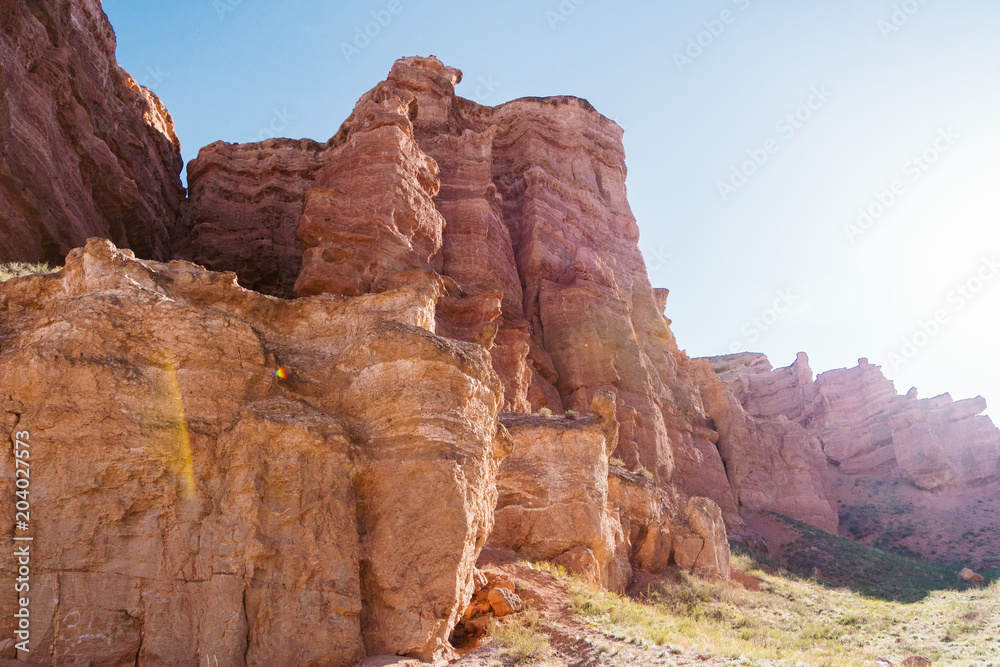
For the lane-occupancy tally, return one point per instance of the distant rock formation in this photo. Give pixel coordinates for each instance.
(85, 150)
(865, 426)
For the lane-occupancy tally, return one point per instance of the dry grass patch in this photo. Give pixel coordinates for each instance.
(21, 269)
(795, 619)
(521, 637)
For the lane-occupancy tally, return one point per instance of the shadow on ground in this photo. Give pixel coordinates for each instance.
(838, 562)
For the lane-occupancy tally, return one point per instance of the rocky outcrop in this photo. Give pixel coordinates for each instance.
(553, 495)
(243, 210)
(86, 151)
(772, 463)
(560, 501)
(866, 427)
(702, 546)
(226, 474)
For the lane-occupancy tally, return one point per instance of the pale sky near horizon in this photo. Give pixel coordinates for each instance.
(756, 134)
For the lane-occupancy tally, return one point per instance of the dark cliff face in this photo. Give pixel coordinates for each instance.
(84, 150)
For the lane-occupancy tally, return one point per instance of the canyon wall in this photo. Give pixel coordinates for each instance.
(86, 151)
(521, 209)
(429, 336)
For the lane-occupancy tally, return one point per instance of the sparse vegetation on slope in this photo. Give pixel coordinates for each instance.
(882, 605)
(870, 571)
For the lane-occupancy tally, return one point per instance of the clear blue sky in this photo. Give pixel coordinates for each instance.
(869, 85)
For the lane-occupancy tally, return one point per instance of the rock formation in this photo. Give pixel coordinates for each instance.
(772, 463)
(243, 209)
(86, 151)
(307, 468)
(191, 502)
(865, 426)
(553, 496)
(521, 208)
(560, 501)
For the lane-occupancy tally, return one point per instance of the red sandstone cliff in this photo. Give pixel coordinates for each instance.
(522, 209)
(865, 426)
(84, 150)
(456, 267)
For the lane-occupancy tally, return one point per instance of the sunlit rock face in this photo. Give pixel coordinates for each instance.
(553, 502)
(86, 151)
(188, 499)
(772, 463)
(866, 427)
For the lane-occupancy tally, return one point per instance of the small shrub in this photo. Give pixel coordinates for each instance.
(617, 462)
(544, 412)
(572, 414)
(641, 470)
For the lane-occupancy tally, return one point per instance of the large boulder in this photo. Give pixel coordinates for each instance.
(553, 496)
(219, 473)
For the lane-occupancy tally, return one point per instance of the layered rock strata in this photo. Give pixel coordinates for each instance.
(866, 427)
(219, 473)
(521, 209)
(86, 151)
(561, 501)
(243, 210)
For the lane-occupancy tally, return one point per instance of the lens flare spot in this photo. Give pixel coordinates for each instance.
(281, 373)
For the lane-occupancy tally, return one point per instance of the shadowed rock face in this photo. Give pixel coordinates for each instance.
(85, 150)
(243, 209)
(196, 503)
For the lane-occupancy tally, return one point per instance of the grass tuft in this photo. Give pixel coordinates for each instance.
(21, 269)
